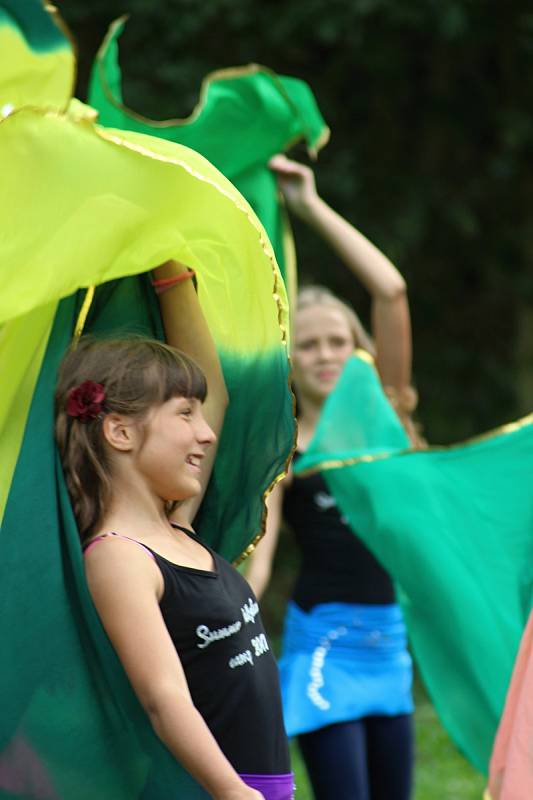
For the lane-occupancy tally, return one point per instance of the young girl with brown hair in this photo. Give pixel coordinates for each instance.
(136, 429)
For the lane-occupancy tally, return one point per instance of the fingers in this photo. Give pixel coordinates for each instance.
(280, 163)
(296, 183)
(284, 166)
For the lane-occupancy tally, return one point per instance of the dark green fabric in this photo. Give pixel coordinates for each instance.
(71, 727)
(454, 527)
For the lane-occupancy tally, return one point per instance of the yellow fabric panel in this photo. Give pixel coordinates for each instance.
(22, 345)
(29, 77)
(106, 204)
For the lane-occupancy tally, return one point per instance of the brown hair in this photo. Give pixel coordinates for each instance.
(137, 374)
(320, 296)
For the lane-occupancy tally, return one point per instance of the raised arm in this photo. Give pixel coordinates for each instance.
(259, 565)
(186, 329)
(125, 583)
(390, 310)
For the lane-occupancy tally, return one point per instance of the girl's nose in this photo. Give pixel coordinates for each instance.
(205, 434)
(324, 350)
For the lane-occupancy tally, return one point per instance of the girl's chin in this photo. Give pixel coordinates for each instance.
(323, 389)
(192, 489)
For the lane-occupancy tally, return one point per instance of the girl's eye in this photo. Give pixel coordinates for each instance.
(305, 345)
(186, 412)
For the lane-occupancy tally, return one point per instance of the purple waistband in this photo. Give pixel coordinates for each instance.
(272, 787)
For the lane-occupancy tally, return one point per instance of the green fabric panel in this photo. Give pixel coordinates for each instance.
(454, 527)
(364, 423)
(252, 453)
(71, 727)
(266, 111)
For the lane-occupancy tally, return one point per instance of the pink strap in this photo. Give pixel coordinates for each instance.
(118, 535)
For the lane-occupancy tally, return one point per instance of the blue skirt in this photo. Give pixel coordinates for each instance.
(342, 662)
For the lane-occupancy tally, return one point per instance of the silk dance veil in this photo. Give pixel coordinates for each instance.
(244, 116)
(454, 527)
(511, 765)
(86, 212)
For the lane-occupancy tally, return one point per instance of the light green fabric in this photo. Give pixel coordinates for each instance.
(37, 64)
(454, 527)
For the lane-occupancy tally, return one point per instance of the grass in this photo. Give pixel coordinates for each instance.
(441, 773)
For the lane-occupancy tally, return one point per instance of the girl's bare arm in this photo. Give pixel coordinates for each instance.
(390, 309)
(187, 330)
(259, 564)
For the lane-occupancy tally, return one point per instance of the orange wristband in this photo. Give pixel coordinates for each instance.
(162, 284)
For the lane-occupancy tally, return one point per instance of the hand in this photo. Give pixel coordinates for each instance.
(296, 182)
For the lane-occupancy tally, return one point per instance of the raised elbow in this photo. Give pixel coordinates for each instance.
(396, 291)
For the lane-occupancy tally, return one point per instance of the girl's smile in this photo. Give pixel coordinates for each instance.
(170, 455)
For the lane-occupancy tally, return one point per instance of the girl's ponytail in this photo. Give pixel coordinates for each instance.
(86, 472)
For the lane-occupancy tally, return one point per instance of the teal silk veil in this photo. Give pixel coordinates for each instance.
(454, 527)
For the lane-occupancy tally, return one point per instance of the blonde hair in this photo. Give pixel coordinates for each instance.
(320, 296)
(405, 401)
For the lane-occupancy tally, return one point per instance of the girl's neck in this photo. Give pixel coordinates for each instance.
(133, 522)
(135, 511)
(307, 420)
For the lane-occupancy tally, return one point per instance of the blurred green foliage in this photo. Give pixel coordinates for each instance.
(429, 106)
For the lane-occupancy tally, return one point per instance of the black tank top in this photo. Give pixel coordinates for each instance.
(336, 566)
(214, 622)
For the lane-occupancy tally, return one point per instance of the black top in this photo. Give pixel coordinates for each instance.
(214, 622)
(336, 566)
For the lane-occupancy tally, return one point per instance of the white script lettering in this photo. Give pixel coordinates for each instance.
(260, 644)
(241, 659)
(249, 611)
(207, 636)
(324, 501)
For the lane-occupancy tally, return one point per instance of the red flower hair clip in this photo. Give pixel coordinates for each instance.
(85, 402)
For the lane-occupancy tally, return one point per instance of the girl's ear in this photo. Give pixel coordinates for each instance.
(119, 432)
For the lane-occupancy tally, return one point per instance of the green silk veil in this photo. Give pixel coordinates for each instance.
(245, 115)
(454, 527)
(86, 212)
